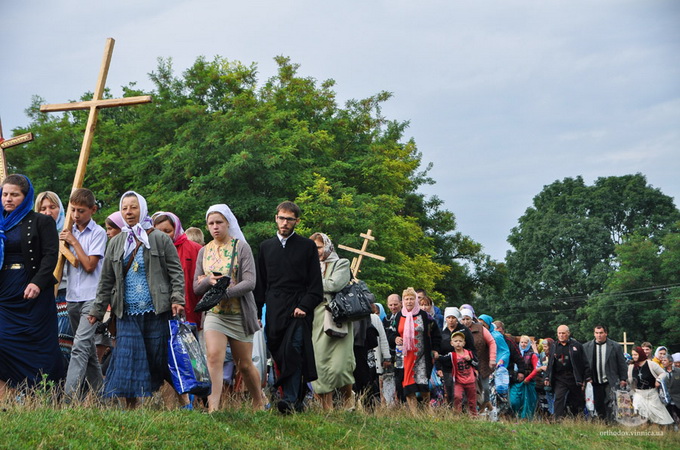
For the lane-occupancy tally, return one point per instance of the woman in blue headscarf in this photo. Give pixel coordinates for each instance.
(49, 204)
(29, 246)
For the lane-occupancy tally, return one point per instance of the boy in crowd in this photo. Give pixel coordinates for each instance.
(87, 241)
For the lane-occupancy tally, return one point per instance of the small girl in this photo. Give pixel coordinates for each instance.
(464, 373)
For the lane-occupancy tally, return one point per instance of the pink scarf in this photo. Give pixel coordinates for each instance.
(409, 328)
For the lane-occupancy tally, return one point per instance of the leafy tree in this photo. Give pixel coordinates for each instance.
(642, 297)
(564, 246)
(213, 135)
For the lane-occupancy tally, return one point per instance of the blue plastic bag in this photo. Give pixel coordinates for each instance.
(187, 363)
(502, 378)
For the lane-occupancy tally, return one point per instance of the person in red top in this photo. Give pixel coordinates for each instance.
(188, 250)
(464, 372)
(523, 395)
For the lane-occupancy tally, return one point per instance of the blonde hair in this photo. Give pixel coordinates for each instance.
(195, 234)
(51, 196)
(409, 292)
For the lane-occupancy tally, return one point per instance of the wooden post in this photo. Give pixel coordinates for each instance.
(356, 262)
(7, 143)
(625, 343)
(93, 105)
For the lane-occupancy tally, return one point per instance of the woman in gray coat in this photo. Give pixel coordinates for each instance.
(143, 282)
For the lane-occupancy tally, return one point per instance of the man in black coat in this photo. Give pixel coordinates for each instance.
(609, 370)
(289, 282)
(567, 373)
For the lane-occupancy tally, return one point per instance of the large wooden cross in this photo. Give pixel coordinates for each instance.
(93, 105)
(625, 343)
(7, 143)
(356, 262)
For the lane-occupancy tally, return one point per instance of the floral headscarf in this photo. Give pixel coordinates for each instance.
(139, 229)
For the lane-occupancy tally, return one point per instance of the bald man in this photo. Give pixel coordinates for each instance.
(567, 373)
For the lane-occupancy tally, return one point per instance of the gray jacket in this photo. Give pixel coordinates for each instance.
(615, 365)
(163, 273)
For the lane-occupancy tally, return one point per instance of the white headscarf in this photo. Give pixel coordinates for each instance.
(139, 230)
(234, 228)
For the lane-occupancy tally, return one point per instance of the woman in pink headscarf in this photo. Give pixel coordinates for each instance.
(188, 250)
(418, 337)
(114, 224)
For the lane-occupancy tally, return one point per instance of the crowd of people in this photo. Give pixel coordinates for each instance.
(103, 328)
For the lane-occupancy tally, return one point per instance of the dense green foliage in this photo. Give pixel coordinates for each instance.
(565, 247)
(214, 136)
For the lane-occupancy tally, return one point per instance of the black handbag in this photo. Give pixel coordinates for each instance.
(217, 291)
(213, 296)
(352, 303)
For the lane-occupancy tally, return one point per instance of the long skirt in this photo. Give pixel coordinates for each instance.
(648, 404)
(29, 347)
(523, 399)
(334, 357)
(139, 361)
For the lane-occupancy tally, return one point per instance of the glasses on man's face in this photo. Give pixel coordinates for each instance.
(286, 219)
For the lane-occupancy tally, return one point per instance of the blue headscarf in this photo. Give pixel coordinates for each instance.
(382, 314)
(61, 218)
(9, 221)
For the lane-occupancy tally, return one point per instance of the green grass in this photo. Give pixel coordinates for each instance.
(40, 426)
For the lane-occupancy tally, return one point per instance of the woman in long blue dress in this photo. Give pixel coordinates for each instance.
(29, 244)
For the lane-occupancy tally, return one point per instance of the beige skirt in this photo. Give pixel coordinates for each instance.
(227, 324)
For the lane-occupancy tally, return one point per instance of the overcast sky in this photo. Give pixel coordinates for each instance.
(503, 96)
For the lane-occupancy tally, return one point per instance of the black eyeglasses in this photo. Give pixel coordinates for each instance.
(286, 219)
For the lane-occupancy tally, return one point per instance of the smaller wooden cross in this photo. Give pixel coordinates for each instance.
(356, 262)
(7, 143)
(625, 343)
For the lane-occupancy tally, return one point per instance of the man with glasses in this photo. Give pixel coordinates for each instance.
(289, 282)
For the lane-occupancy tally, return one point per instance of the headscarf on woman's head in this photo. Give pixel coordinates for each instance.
(329, 254)
(468, 306)
(409, 328)
(117, 219)
(489, 321)
(642, 356)
(523, 351)
(656, 352)
(234, 229)
(381, 309)
(176, 224)
(139, 230)
(54, 198)
(9, 221)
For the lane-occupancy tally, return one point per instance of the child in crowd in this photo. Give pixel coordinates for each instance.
(196, 235)
(87, 241)
(463, 364)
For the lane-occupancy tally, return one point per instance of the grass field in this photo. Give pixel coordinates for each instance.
(42, 424)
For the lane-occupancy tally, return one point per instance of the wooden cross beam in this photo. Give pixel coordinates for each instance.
(625, 343)
(356, 262)
(7, 143)
(93, 105)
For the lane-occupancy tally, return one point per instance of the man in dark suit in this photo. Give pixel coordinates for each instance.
(289, 282)
(608, 368)
(567, 373)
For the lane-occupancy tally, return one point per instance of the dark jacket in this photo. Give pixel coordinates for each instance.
(515, 359)
(40, 249)
(431, 343)
(615, 365)
(579, 362)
